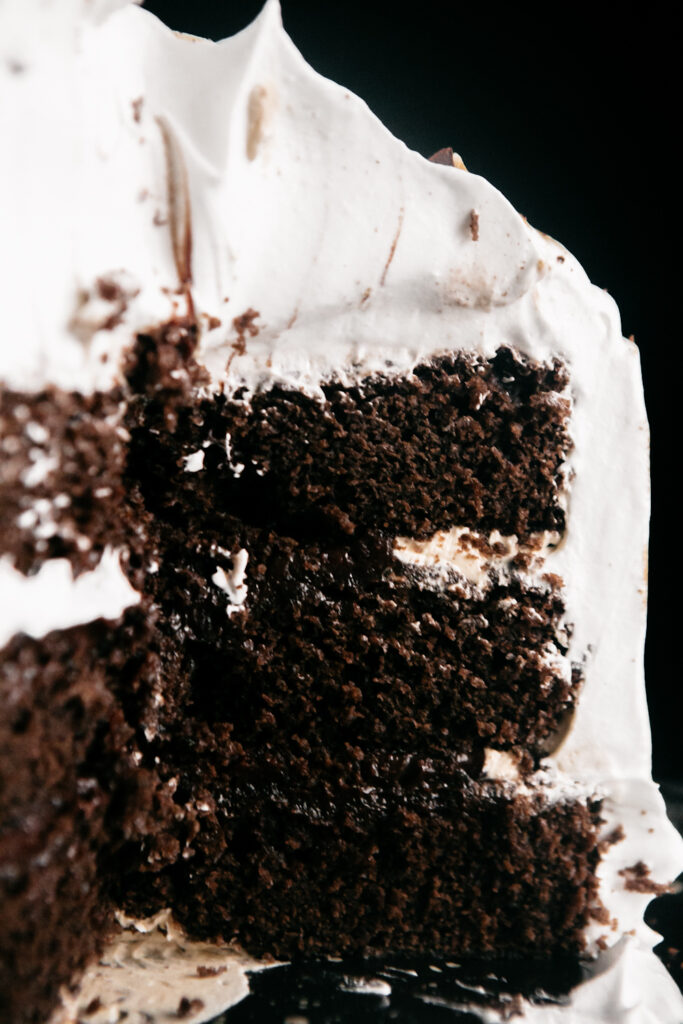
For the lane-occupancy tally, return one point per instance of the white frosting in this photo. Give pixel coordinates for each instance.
(342, 252)
(501, 765)
(270, 159)
(148, 968)
(448, 551)
(233, 582)
(628, 985)
(53, 599)
(194, 462)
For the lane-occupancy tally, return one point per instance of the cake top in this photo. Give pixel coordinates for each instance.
(178, 166)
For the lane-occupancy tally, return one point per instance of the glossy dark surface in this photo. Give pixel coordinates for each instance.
(410, 992)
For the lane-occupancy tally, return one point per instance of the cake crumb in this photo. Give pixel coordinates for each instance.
(637, 879)
(188, 1007)
(93, 1006)
(601, 915)
(102, 307)
(137, 109)
(210, 972)
(474, 225)
(615, 836)
(243, 325)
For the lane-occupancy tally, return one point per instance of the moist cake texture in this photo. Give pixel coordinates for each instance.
(320, 626)
(338, 701)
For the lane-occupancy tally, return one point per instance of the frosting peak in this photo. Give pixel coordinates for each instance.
(273, 172)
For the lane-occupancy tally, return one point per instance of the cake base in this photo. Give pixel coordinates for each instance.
(423, 859)
(151, 970)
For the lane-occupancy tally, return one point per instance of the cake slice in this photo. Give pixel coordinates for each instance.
(324, 518)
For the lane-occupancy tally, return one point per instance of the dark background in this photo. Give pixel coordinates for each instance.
(572, 118)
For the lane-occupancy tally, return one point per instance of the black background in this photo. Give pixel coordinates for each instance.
(573, 116)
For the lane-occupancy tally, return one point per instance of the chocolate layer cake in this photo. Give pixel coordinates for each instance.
(324, 509)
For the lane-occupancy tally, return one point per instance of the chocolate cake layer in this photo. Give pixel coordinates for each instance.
(61, 492)
(339, 642)
(71, 793)
(285, 740)
(460, 442)
(340, 646)
(423, 859)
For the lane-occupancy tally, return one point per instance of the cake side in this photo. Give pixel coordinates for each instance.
(72, 791)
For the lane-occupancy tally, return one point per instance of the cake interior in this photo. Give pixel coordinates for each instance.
(287, 740)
